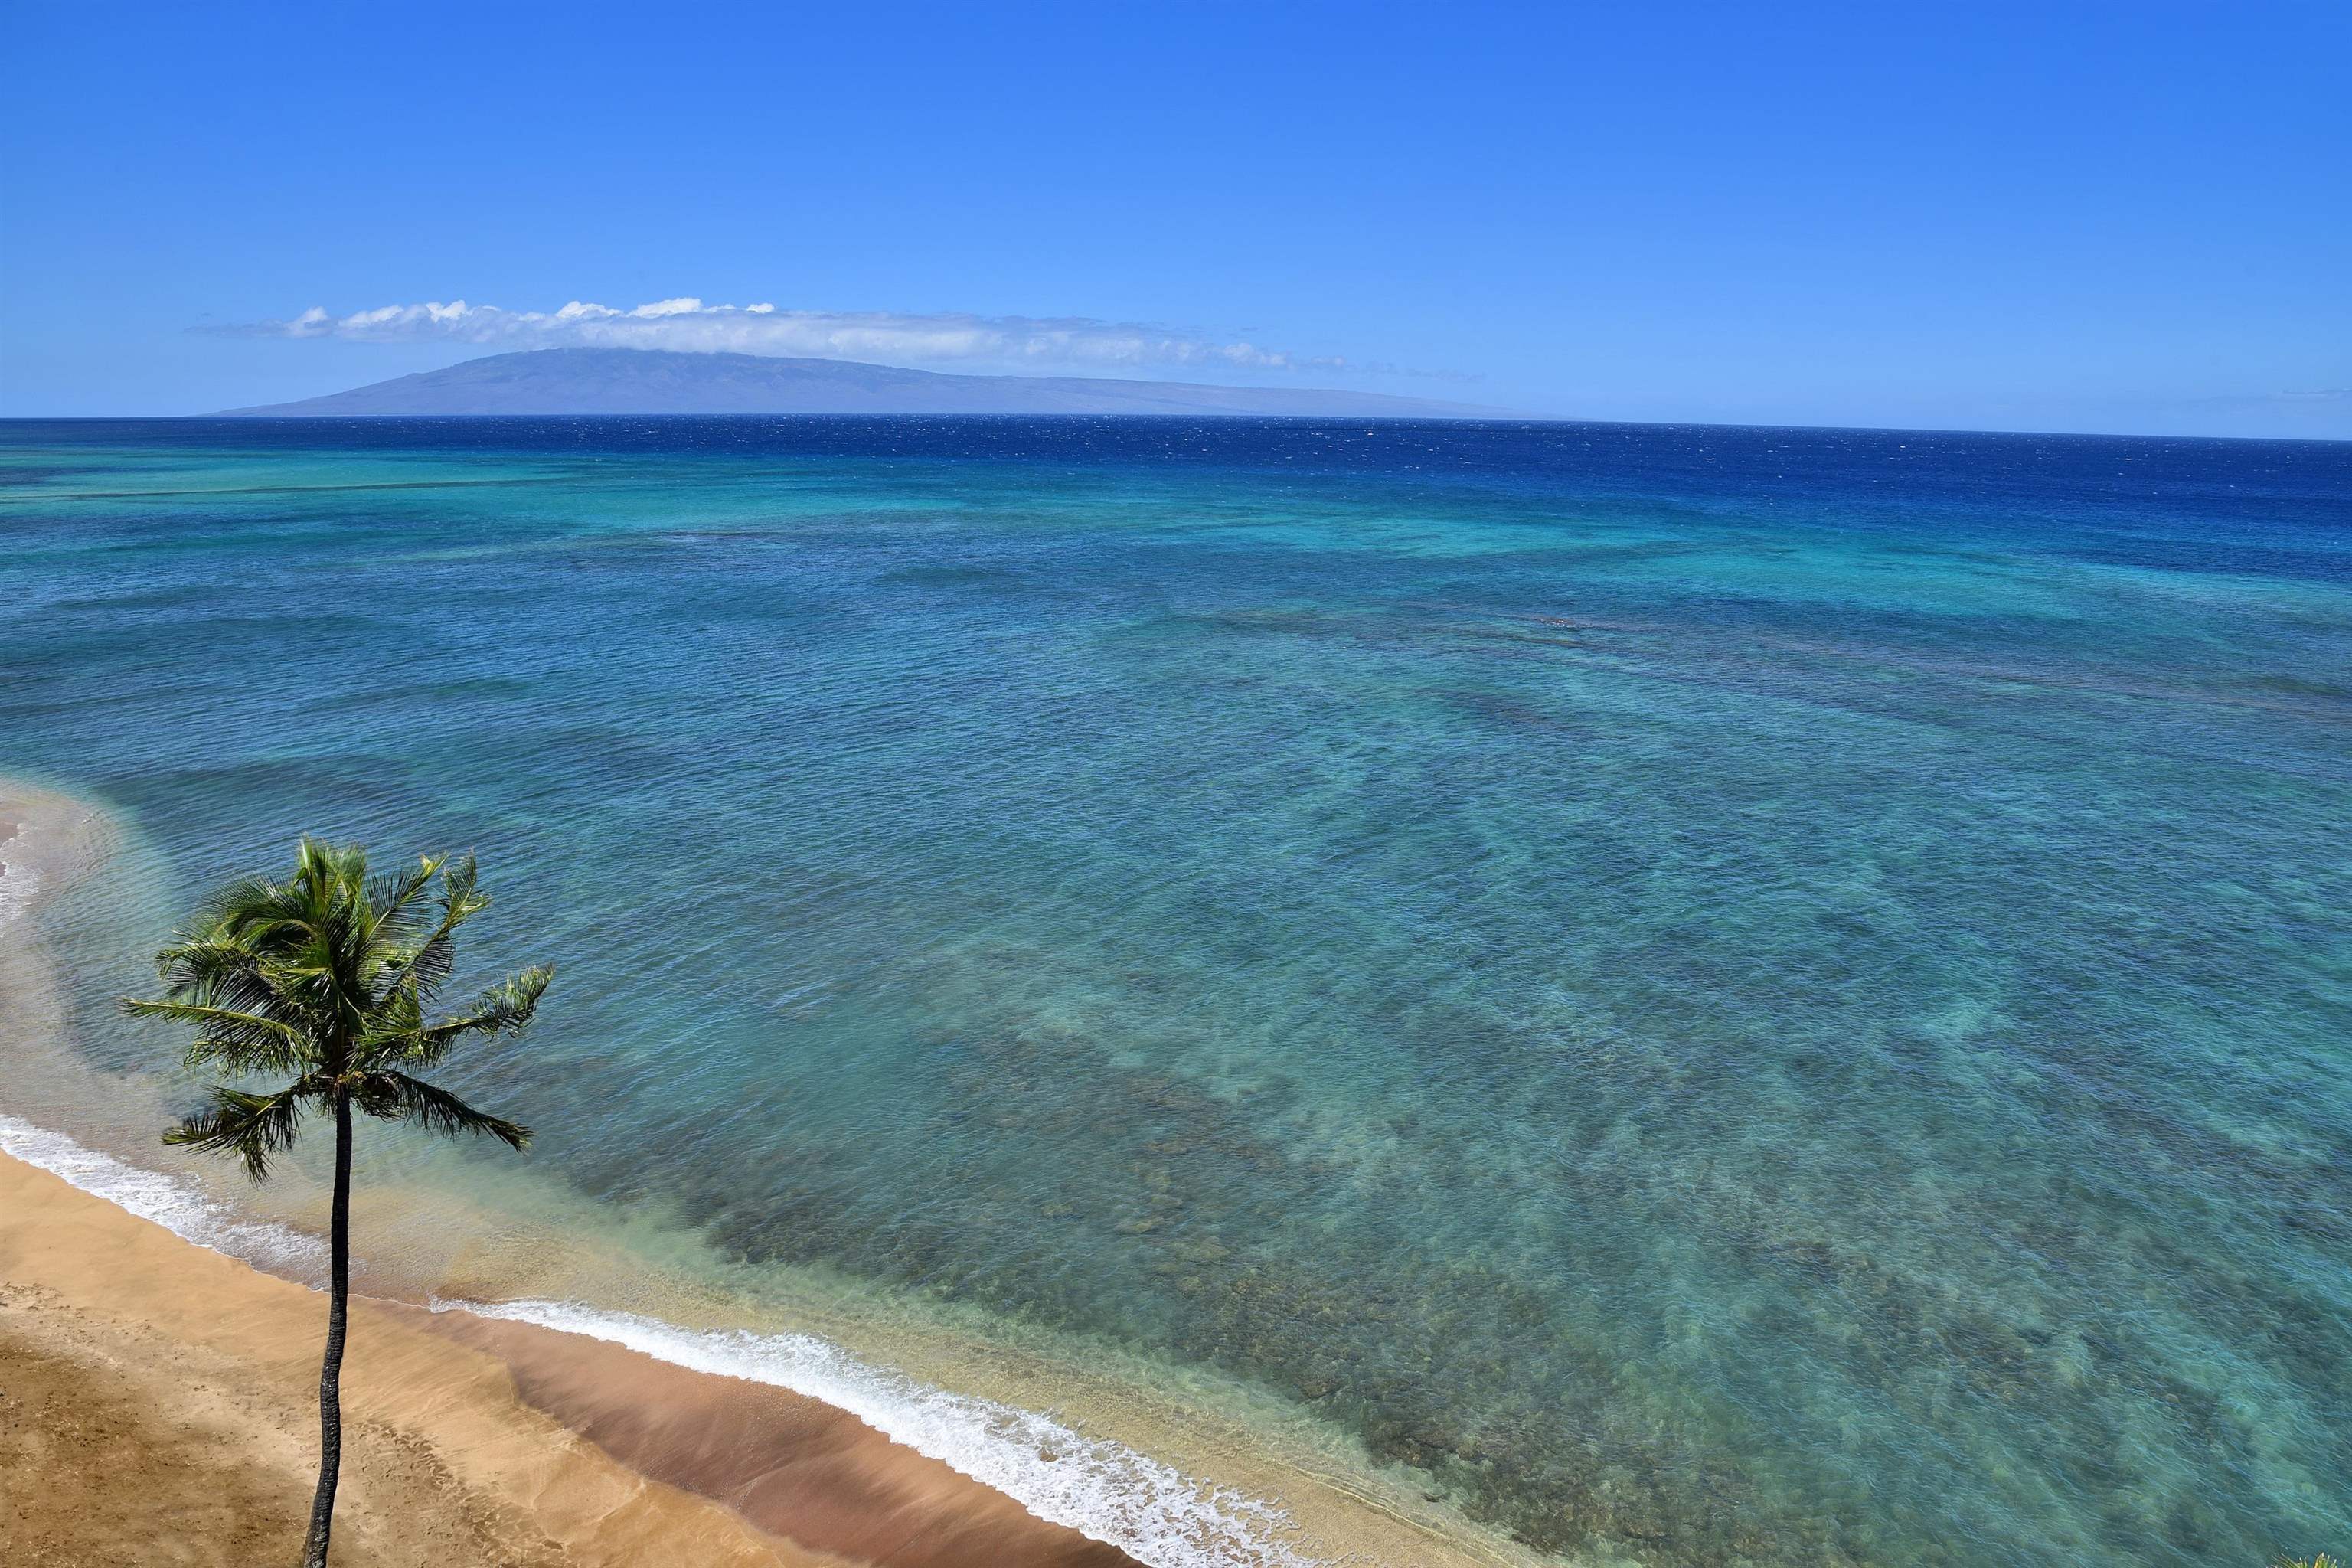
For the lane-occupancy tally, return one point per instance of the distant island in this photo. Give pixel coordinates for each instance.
(657, 381)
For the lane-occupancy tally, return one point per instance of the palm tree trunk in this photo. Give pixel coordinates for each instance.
(330, 1371)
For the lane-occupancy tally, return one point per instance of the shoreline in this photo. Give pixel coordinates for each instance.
(523, 1401)
(466, 1439)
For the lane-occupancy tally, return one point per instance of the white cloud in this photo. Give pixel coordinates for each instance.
(689, 324)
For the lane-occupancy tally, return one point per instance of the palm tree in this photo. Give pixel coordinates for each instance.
(326, 979)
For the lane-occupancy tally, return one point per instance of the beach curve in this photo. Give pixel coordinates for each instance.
(826, 1459)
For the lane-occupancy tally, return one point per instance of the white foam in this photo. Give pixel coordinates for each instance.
(1103, 1489)
(178, 1206)
(17, 881)
(1100, 1488)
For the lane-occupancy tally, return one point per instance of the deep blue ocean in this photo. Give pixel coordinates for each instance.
(1714, 995)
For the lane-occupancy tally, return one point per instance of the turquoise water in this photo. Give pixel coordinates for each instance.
(1729, 995)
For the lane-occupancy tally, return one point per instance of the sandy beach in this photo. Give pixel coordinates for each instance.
(158, 1409)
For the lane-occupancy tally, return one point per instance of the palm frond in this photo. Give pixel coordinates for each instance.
(504, 1009)
(461, 894)
(399, 1037)
(330, 886)
(422, 968)
(209, 967)
(254, 1126)
(395, 1033)
(326, 871)
(423, 965)
(253, 910)
(396, 903)
(238, 1042)
(396, 1097)
(202, 957)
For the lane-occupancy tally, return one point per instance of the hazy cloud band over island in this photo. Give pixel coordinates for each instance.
(890, 337)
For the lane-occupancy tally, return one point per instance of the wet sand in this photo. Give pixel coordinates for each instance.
(789, 1465)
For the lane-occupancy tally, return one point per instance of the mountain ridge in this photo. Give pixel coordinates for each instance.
(568, 381)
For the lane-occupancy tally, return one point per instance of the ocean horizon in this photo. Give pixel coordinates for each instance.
(1670, 995)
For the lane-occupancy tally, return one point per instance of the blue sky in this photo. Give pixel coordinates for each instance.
(2128, 217)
